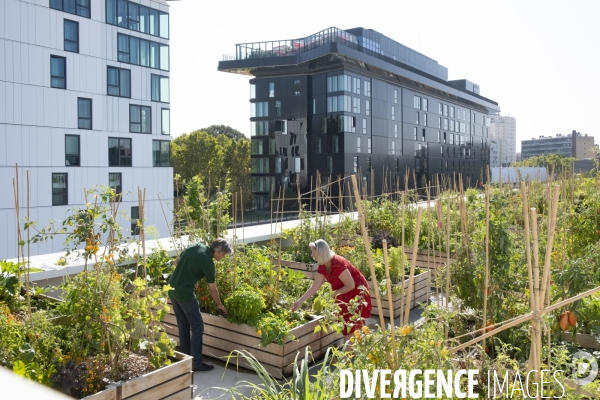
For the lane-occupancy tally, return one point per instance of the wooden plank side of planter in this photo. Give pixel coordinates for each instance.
(184, 394)
(235, 361)
(307, 269)
(106, 394)
(181, 368)
(582, 339)
(165, 389)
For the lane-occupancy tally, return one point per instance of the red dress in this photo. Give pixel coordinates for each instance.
(338, 265)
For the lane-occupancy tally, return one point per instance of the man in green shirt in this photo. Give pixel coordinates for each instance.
(194, 263)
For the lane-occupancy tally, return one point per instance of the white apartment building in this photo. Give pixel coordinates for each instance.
(84, 100)
(504, 130)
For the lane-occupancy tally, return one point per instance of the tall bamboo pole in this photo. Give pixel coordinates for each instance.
(551, 228)
(413, 264)
(487, 256)
(536, 339)
(390, 303)
(363, 228)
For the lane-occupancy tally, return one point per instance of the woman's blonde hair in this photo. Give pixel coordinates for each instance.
(324, 253)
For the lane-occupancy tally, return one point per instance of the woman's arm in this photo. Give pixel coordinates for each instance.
(317, 283)
(348, 282)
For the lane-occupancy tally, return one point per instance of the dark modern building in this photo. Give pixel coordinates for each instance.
(351, 101)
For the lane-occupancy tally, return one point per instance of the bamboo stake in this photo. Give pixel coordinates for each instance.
(551, 228)
(524, 318)
(429, 233)
(487, 257)
(536, 340)
(363, 227)
(413, 264)
(447, 294)
(390, 302)
(242, 211)
(527, 243)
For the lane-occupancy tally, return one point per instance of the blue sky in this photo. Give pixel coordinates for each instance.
(539, 63)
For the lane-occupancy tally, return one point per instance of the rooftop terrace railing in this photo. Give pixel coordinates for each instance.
(283, 48)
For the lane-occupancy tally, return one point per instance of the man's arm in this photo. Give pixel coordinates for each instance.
(214, 293)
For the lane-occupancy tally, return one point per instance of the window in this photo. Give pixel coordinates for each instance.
(393, 150)
(136, 17)
(424, 119)
(464, 115)
(296, 88)
(277, 109)
(298, 164)
(263, 183)
(324, 124)
(318, 146)
(444, 137)
(364, 129)
(395, 96)
(368, 88)
(271, 89)
(442, 151)
(414, 133)
(439, 122)
(355, 162)
(369, 146)
(356, 105)
(358, 144)
(357, 85)
(314, 106)
(425, 105)
(339, 83)
(259, 128)
(160, 88)
(445, 123)
(119, 82)
(140, 120)
(77, 7)
(133, 50)
(440, 109)
(335, 144)
(71, 36)
(72, 150)
(417, 102)
(395, 130)
(252, 91)
(260, 165)
(58, 72)
(84, 113)
(257, 147)
(60, 189)
(439, 137)
(119, 152)
(417, 119)
(260, 109)
(339, 103)
(161, 153)
(367, 107)
(346, 123)
(452, 125)
(445, 110)
(393, 113)
(114, 182)
(451, 112)
(277, 165)
(135, 216)
(165, 121)
(329, 165)
(368, 162)
(423, 135)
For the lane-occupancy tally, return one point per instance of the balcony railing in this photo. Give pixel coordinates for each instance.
(283, 48)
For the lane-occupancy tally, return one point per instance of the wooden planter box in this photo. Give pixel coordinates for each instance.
(173, 382)
(582, 339)
(419, 294)
(221, 337)
(307, 269)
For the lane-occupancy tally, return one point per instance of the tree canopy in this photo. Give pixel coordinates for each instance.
(228, 131)
(554, 161)
(219, 161)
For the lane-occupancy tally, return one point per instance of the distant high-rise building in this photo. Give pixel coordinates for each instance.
(574, 144)
(504, 130)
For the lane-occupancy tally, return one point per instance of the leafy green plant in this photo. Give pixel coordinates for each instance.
(245, 305)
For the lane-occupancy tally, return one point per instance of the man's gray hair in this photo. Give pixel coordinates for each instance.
(324, 253)
(222, 246)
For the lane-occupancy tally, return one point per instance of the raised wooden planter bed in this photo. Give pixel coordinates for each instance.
(173, 382)
(582, 339)
(307, 269)
(221, 337)
(420, 292)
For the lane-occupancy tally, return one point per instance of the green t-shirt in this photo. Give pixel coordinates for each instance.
(195, 263)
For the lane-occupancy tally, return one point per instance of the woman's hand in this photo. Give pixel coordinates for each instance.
(296, 305)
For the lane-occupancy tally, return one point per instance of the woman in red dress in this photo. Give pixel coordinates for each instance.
(346, 281)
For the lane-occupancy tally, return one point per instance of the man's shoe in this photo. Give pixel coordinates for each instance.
(204, 368)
